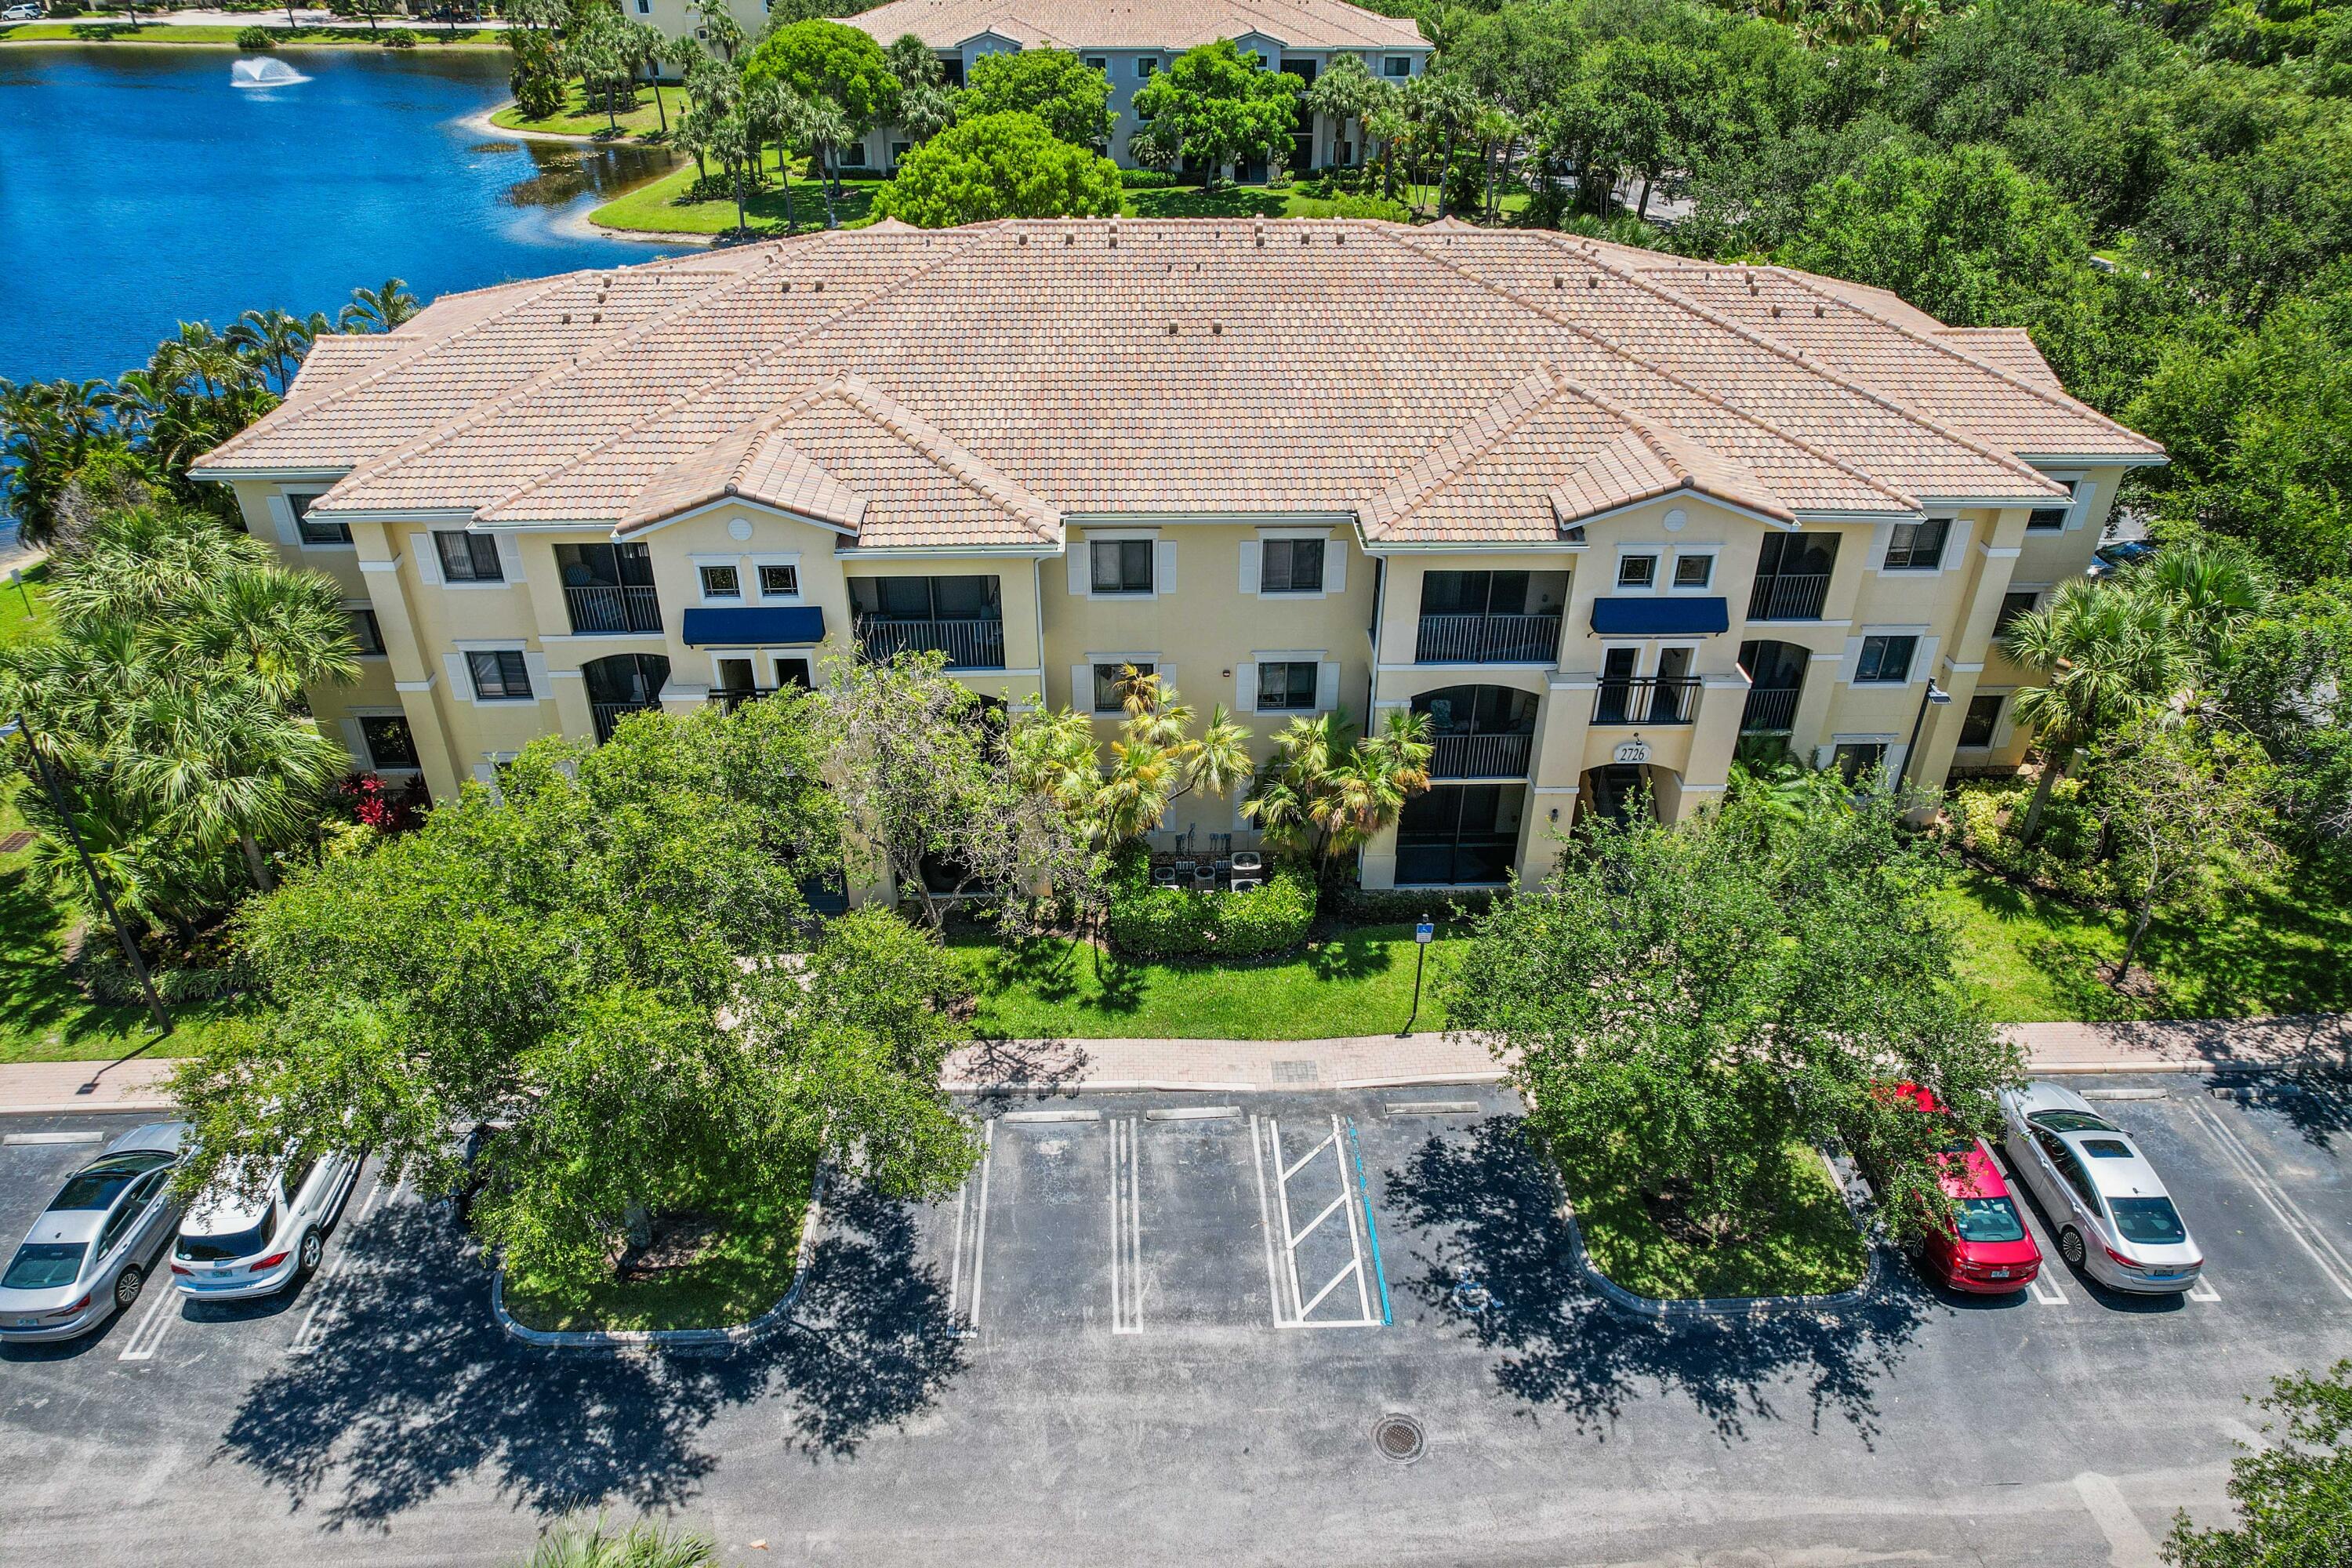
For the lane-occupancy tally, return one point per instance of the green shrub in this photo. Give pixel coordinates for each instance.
(252, 38)
(1146, 921)
(107, 980)
(1356, 206)
(1403, 906)
(399, 39)
(1981, 820)
(1147, 179)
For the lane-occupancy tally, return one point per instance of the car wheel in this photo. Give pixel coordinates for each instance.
(306, 1258)
(2070, 1247)
(127, 1286)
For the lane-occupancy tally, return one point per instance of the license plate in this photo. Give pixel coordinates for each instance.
(1997, 1274)
(2163, 1279)
(28, 1322)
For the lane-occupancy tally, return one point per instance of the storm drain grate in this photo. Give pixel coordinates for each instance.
(1398, 1437)
(1296, 1072)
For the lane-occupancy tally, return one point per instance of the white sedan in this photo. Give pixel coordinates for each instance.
(252, 1237)
(2116, 1222)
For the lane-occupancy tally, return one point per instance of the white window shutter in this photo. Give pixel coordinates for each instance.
(1335, 565)
(427, 550)
(1078, 580)
(1167, 673)
(541, 684)
(1244, 688)
(1955, 543)
(1326, 685)
(510, 557)
(1926, 669)
(1852, 660)
(355, 742)
(461, 682)
(1082, 687)
(1163, 577)
(281, 517)
(1881, 536)
(1252, 556)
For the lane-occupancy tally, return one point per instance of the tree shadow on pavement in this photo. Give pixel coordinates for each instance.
(1492, 1259)
(413, 1388)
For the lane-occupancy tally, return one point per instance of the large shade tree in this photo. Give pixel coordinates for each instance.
(995, 166)
(1217, 105)
(1070, 96)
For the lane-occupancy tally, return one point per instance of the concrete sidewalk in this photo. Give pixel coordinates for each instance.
(1356, 1061)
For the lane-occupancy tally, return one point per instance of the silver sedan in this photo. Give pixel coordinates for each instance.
(89, 1254)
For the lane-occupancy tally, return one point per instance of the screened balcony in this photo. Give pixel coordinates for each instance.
(961, 616)
(1490, 617)
(608, 589)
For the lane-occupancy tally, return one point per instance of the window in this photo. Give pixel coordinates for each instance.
(1984, 712)
(1885, 660)
(501, 676)
(2151, 1222)
(468, 557)
(44, 1265)
(1098, 63)
(1397, 66)
(898, 150)
(297, 1173)
(1854, 758)
(1291, 566)
(1108, 695)
(1121, 565)
(2013, 605)
(792, 673)
(2049, 519)
(390, 744)
(1144, 68)
(1694, 571)
(366, 632)
(1287, 685)
(1987, 1219)
(327, 530)
(1637, 571)
(953, 66)
(853, 156)
(721, 583)
(645, 7)
(779, 581)
(1917, 546)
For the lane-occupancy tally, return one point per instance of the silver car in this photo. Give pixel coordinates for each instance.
(2116, 1222)
(242, 1239)
(89, 1254)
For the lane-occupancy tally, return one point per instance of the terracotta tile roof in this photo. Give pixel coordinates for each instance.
(1128, 24)
(976, 385)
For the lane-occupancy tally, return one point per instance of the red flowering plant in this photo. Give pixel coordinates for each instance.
(366, 798)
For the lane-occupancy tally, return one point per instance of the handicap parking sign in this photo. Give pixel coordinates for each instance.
(1424, 933)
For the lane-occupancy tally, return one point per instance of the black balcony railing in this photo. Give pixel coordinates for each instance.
(1788, 596)
(1500, 756)
(1488, 639)
(1646, 699)
(608, 714)
(604, 608)
(727, 699)
(1769, 709)
(969, 645)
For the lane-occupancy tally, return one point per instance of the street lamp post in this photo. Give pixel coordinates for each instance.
(1936, 695)
(42, 770)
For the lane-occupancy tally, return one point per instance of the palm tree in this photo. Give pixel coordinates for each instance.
(378, 309)
(1346, 91)
(1156, 761)
(2212, 588)
(2104, 653)
(224, 761)
(823, 129)
(272, 338)
(1327, 793)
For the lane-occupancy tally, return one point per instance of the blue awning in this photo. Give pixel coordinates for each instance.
(756, 627)
(1653, 618)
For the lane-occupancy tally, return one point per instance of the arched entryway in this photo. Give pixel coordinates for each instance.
(621, 684)
(1480, 732)
(1620, 791)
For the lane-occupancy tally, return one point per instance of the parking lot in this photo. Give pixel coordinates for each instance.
(1170, 1326)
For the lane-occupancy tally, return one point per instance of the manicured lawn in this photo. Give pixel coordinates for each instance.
(1810, 1247)
(580, 119)
(22, 612)
(745, 1270)
(2278, 951)
(1352, 982)
(659, 206)
(87, 31)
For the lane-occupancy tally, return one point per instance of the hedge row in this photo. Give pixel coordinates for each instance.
(1146, 921)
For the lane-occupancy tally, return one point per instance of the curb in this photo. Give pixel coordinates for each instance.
(1682, 1307)
(1166, 1086)
(728, 1339)
(98, 1108)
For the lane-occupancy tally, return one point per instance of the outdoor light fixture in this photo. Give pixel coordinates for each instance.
(1936, 695)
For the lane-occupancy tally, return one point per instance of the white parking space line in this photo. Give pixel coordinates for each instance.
(162, 1311)
(2202, 1290)
(54, 1137)
(2129, 1545)
(312, 1332)
(1264, 1221)
(1193, 1113)
(2311, 1237)
(1053, 1116)
(1431, 1108)
(2044, 1289)
(971, 1237)
(1126, 1232)
(1300, 1305)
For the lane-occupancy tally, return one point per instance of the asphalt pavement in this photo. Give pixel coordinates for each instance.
(1168, 1328)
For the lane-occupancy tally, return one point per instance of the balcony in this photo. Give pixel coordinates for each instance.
(1788, 596)
(1770, 711)
(606, 609)
(1488, 639)
(967, 644)
(1646, 699)
(1504, 756)
(608, 714)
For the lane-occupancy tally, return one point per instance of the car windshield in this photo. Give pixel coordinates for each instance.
(2106, 1148)
(98, 1184)
(44, 1265)
(1987, 1219)
(2151, 1222)
(2069, 1121)
(227, 1245)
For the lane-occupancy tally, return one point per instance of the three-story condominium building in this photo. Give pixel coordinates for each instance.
(1606, 516)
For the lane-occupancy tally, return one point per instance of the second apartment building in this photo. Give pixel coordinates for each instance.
(1607, 517)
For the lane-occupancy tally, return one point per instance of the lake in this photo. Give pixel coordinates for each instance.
(140, 188)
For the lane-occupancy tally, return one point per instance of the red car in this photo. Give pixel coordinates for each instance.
(1986, 1249)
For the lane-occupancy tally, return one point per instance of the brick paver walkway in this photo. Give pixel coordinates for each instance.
(1352, 1061)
